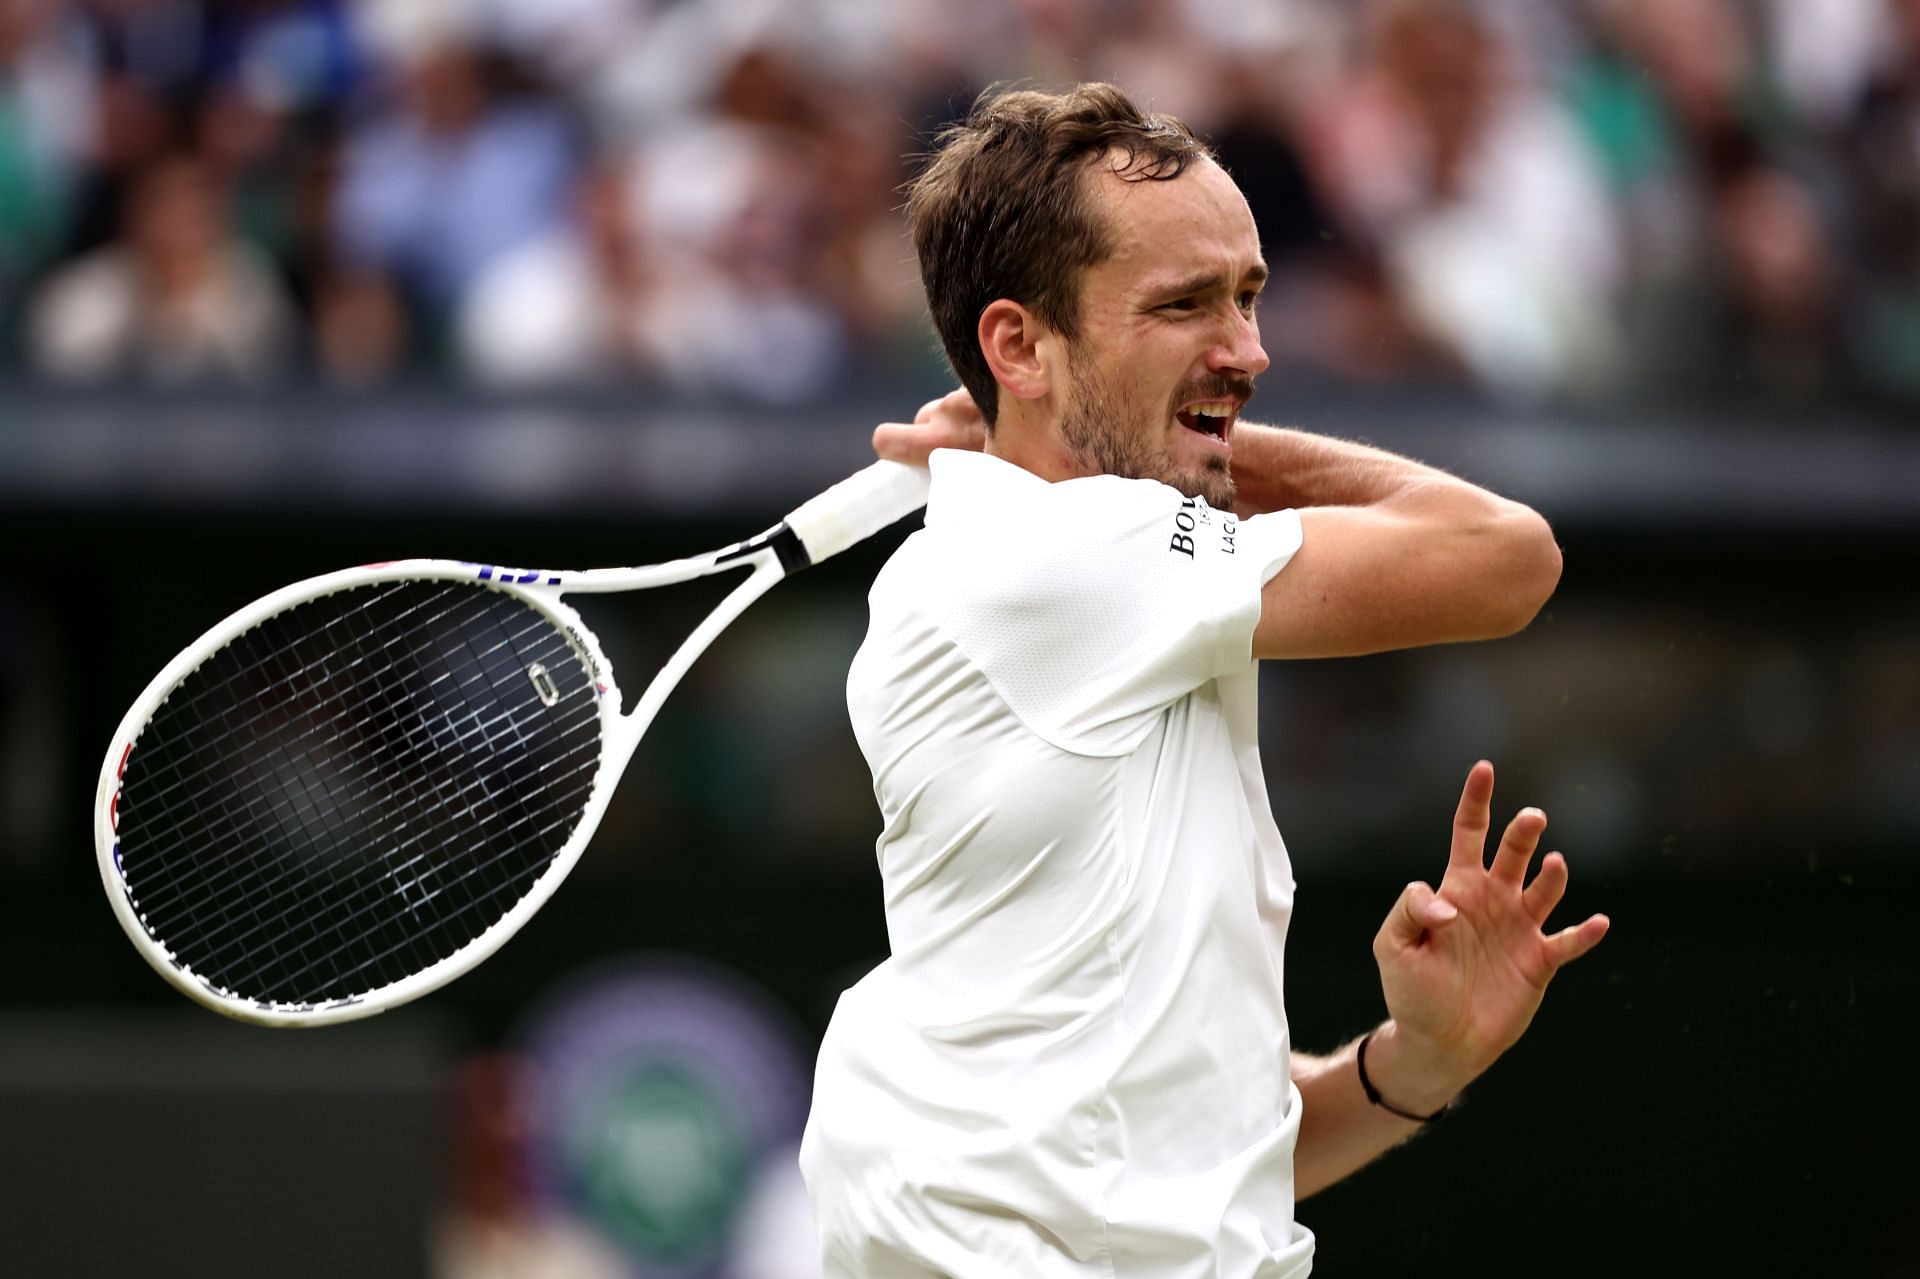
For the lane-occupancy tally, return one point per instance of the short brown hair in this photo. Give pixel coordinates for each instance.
(999, 211)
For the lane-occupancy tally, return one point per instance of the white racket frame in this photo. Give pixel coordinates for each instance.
(849, 512)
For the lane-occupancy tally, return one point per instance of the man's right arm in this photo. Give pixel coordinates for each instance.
(951, 422)
(1394, 554)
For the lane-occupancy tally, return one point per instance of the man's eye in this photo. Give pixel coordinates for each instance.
(1182, 304)
(1249, 300)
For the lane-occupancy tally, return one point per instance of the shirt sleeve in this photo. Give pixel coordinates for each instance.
(1107, 601)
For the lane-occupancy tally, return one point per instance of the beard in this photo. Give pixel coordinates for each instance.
(1096, 425)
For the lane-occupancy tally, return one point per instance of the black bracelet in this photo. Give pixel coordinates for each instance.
(1373, 1094)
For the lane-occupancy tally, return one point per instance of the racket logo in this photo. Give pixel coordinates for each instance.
(515, 576)
(113, 804)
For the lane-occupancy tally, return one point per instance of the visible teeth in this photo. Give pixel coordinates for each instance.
(1214, 424)
(1214, 410)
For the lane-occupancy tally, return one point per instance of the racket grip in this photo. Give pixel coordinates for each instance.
(858, 507)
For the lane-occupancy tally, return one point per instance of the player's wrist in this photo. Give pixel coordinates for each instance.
(1413, 1073)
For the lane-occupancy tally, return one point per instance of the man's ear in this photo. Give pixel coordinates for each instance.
(1011, 337)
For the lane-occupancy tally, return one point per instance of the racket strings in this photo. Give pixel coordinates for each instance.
(182, 808)
(416, 892)
(192, 696)
(377, 705)
(356, 788)
(422, 852)
(417, 959)
(296, 787)
(402, 888)
(249, 883)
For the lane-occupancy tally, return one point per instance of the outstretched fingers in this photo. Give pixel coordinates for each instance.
(1569, 944)
(1547, 888)
(1517, 846)
(1472, 820)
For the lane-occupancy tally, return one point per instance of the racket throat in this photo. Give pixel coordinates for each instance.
(781, 540)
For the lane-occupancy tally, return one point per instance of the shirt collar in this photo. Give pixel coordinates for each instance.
(964, 480)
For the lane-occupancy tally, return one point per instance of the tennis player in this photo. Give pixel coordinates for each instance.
(1076, 1061)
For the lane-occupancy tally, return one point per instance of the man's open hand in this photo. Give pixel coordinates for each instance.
(1465, 969)
(951, 422)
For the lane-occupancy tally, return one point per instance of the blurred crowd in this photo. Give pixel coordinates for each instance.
(1545, 201)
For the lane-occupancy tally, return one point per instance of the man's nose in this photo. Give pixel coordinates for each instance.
(1239, 349)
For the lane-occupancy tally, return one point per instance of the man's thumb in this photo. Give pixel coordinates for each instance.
(1418, 910)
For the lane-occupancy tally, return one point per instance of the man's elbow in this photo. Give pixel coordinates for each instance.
(1530, 568)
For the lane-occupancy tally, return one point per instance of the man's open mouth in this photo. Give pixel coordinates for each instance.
(1214, 418)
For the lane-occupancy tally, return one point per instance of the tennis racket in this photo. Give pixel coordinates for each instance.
(357, 788)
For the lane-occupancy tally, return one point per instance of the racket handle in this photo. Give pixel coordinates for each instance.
(858, 507)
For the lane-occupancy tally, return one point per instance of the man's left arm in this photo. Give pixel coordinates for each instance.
(1463, 970)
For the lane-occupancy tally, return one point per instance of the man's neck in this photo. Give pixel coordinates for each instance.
(1031, 440)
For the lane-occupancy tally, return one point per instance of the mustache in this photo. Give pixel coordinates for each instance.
(1217, 386)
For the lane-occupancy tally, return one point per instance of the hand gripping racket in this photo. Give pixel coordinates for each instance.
(355, 789)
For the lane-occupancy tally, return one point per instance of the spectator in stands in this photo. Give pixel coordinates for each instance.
(1329, 306)
(570, 306)
(450, 174)
(741, 260)
(43, 95)
(178, 297)
(1490, 212)
(1780, 278)
(267, 118)
(1635, 195)
(146, 64)
(1881, 154)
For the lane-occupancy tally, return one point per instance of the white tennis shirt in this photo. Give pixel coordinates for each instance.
(1075, 1061)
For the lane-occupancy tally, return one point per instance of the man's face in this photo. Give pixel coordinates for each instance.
(1168, 346)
